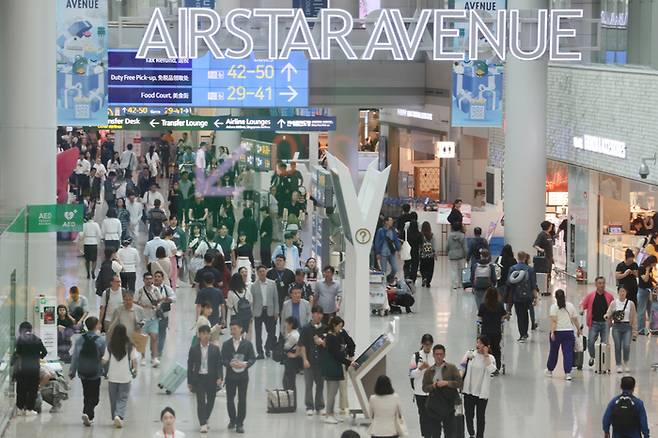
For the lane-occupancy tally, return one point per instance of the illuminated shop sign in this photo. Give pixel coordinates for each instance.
(414, 114)
(433, 34)
(600, 145)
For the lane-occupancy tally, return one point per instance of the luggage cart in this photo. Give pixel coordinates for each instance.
(378, 298)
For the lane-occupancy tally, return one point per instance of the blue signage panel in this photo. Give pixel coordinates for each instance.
(210, 4)
(311, 7)
(208, 82)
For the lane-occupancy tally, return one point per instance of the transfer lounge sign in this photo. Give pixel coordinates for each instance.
(54, 218)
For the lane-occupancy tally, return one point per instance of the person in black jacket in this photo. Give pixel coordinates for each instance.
(238, 356)
(204, 374)
(415, 240)
(29, 350)
(455, 216)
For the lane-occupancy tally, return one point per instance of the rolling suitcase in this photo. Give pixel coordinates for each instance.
(458, 424)
(542, 284)
(281, 401)
(466, 278)
(540, 264)
(602, 358)
(172, 379)
(579, 353)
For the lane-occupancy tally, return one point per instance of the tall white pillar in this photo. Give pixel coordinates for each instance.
(28, 125)
(525, 143)
(344, 141)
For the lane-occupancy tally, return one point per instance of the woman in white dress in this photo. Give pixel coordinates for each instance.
(153, 161)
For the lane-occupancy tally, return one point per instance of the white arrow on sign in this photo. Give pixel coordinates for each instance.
(290, 70)
(281, 123)
(292, 93)
(217, 123)
(153, 123)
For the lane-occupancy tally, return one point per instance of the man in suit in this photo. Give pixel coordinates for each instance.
(204, 375)
(297, 307)
(238, 355)
(266, 310)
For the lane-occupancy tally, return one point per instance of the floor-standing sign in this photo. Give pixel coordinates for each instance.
(81, 62)
(47, 313)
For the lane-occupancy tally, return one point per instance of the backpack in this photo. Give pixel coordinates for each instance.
(243, 310)
(88, 362)
(520, 283)
(624, 416)
(212, 249)
(416, 359)
(427, 250)
(104, 278)
(482, 277)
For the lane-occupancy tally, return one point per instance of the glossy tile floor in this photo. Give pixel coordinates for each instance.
(522, 403)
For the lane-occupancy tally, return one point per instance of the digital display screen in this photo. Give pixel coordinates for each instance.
(379, 343)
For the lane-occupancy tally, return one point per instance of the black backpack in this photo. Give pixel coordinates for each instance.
(89, 364)
(243, 311)
(104, 278)
(624, 417)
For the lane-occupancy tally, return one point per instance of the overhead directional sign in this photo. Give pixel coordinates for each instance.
(207, 82)
(223, 123)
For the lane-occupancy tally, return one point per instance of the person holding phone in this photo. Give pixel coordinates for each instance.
(238, 356)
(477, 368)
(420, 362)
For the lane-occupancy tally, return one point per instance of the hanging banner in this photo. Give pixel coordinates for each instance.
(54, 217)
(477, 94)
(81, 62)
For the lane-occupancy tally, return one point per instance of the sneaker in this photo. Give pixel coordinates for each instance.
(20, 412)
(344, 412)
(310, 412)
(322, 412)
(619, 370)
(31, 413)
(568, 377)
(142, 362)
(155, 362)
(231, 426)
(85, 420)
(521, 340)
(627, 368)
(548, 373)
(118, 422)
(591, 361)
(260, 357)
(239, 429)
(495, 373)
(330, 420)
(55, 409)
(535, 326)
(204, 428)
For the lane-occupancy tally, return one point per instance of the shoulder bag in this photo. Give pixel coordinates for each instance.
(401, 424)
(405, 249)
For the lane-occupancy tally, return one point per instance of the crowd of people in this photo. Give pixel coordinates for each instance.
(197, 241)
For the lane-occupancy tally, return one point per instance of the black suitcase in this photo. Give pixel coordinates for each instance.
(540, 264)
(458, 426)
(579, 356)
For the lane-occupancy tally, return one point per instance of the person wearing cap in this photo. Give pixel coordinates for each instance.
(289, 250)
(129, 258)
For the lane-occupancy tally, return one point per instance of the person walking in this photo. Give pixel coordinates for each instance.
(564, 319)
(328, 293)
(239, 303)
(86, 362)
(265, 309)
(457, 252)
(25, 368)
(483, 276)
(282, 276)
(596, 305)
(130, 315)
(646, 285)
(168, 298)
(491, 315)
(129, 259)
(290, 333)
(120, 358)
(238, 356)
(111, 229)
(415, 239)
(111, 300)
(387, 245)
(168, 420)
(626, 414)
(91, 234)
(311, 340)
(456, 216)
(522, 284)
(505, 260)
(477, 367)
(332, 359)
(205, 374)
(476, 245)
(427, 254)
(296, 307)
(149, 299)
(266, 230)
(626, 274)
(623, 316)
(442, 382)
(420, 362)
(385, 411)
(544, 246)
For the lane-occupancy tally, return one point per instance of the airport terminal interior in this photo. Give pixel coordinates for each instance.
(441, 215)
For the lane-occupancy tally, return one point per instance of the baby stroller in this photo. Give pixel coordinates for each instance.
(53, 391)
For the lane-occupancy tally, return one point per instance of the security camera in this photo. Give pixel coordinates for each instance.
(644, 167)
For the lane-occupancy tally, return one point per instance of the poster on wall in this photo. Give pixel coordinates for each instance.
(477, 94)
(81, 63)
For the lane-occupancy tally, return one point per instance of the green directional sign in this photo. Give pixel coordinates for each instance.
(54, 217)
(223, 123)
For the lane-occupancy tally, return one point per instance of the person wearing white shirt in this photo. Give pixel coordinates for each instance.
(152, 246)
(421, 361)
(101, 171)
(128, 161)
(129, 258)
(564, 319)
(111, 300)
(151, 196)
(122, 358)
(153, 161)
(478, 366)
(385, 410)
(135, 209)
(623, 316)
(82, 167)
(91, 233)
(200, 160)
(168, 298)
(168, 419)
(112, 230)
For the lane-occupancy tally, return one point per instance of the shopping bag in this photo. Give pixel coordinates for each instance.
(140, 340)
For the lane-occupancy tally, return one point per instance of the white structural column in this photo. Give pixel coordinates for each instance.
(344, 141)
(524, 186)
(28, 125)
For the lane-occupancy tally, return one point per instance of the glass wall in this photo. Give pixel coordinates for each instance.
(13, 303)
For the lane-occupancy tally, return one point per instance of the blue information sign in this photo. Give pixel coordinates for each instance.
(210, 4)
(208, 82)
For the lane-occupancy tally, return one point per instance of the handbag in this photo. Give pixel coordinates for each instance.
(405, 249)
(618, 315)
(401, 425)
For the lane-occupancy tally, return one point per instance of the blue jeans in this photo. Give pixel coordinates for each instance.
(566, 340)
(622, 333)
(598, 328)
(389, 260)
(642, 307)
(118, 399)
